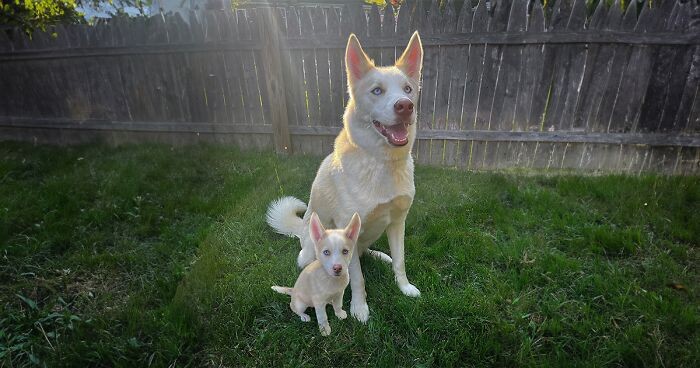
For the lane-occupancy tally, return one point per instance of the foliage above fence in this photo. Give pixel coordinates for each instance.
(505, 83)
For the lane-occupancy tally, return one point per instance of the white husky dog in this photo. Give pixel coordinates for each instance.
(370, 170)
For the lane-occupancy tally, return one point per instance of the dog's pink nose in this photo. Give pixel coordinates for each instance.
(337, 268)
(403, 107)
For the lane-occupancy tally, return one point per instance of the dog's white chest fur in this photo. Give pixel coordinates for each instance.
(380, 191)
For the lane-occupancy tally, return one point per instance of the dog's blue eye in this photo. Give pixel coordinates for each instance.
(345, 251)
(377, 91)
(407, 89)
(326, 252)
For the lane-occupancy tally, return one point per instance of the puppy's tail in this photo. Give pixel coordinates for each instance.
(283, 216)
(283, 290)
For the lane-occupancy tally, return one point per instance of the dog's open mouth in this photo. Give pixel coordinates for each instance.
(396, 134)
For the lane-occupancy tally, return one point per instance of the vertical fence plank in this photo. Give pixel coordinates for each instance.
(337, 71)
(426, 105)
(678, 78)
(388, 54)
(559, 68)
(310, 76)
(272, 67)
(592, 78)
(253, 104)
(374, 30)
(532, 73)
(578, 55)
(195, 74)
(492, 56)
(213, 90)
(684, 117)
(447, 23)
(179, 33)
(230, 79)
(296, 68)
(492, 65)
(458, 63)
(619, 62)
(322, 68)
(604, 64)
(635, 77)
(475, 65)
(509, 75)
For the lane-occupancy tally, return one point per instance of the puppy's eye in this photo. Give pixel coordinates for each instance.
(345, 251)
(326, 252)
(377, 91)
(407, 89)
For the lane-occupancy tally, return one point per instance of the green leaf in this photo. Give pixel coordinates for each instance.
(30, 303)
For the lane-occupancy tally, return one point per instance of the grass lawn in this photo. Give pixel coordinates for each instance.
(155, 256)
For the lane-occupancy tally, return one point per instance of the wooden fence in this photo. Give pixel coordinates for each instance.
(505, 83)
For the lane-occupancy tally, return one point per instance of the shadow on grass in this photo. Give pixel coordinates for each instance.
(149, 256)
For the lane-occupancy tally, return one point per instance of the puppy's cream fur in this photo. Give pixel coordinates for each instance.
(366, 173)
(324, 280)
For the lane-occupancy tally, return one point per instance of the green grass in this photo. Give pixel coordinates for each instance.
(148, 255)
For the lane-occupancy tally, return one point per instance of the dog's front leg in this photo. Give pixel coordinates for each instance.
(322, 318)
(358, 304)
(395, 234)
(338, 306)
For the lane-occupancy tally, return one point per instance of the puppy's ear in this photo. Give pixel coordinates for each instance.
(411, 61)
(316, 228)
(352, 231)
(356, 61)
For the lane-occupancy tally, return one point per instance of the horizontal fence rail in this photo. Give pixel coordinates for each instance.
(508, 83)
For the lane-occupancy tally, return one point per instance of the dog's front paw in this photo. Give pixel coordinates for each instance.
(360, 311)
(341, 314)
(410, 290)
(325, 329)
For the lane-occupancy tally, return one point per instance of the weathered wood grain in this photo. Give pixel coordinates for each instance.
(318, 18)
(295, 83)
(611, 91)
(509, 73)
(475, 69)
(271, 63)
(337, 70)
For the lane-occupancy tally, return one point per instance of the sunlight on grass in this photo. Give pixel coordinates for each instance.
(148, 254)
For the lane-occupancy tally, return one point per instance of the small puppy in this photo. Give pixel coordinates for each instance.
(324, 280)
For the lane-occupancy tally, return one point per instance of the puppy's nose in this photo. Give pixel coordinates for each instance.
(337, 268)
(403, 107)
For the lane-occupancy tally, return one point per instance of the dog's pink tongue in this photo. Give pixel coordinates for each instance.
(397, 134)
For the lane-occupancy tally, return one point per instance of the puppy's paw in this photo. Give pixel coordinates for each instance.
(325, 329)
(360, 311)
(341, 314)
(305, 318)
(410, 290)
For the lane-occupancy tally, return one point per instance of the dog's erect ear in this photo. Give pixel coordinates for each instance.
(316, 228)
(356, 61)
(352, 231)
(411, 61)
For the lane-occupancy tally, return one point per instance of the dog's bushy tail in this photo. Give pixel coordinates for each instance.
(283, 216)
(283, 290)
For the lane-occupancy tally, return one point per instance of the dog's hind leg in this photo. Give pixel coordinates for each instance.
(307, 253)
(300, 309)
(379, 255)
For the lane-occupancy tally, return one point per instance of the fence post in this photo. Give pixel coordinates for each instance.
(274, 81)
